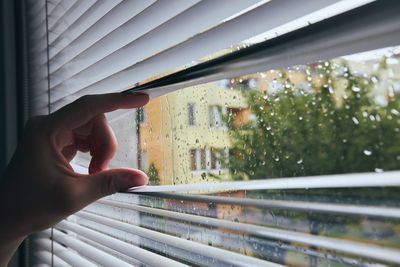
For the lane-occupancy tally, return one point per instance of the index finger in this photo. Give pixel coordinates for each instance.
(85, 108)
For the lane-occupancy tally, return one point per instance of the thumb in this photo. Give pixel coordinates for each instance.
(111, 181)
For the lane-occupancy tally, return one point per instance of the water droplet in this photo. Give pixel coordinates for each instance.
(367, 152)
(395, 112)
(355, 120)
(371, 117)
(300, 118)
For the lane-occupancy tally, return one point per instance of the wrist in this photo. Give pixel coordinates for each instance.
(11, 223)
(10, 232)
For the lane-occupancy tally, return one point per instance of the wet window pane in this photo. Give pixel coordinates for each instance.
(336, 116)
(331, 117)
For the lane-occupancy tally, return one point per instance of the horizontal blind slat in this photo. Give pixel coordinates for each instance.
(345, 34)
(150, 18)
(120, 246)
(344, 209)
(120, 14)
(63, 253)
(74, 13)
(213, 40)
(217, 253)
(342, 245)
(349, 180)
(81, 25)
(48, 258)
(88, 251)
(199, 18)
(54, 16)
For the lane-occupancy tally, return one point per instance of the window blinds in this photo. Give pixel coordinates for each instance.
(82, 47)
(104, 54)
(144, 225)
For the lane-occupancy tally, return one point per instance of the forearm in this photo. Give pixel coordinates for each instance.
(11, 235)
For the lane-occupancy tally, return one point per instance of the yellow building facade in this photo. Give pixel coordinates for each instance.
(183, 135)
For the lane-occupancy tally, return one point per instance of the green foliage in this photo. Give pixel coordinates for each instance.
(154, 177)
(334, 128)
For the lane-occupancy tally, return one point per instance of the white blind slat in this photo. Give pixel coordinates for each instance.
(74, 13)
(58, 13)
(199, 18)
(213, 252)
(88, 251)
(120, 14)
(150, 18)
(48, 258)
(70, 257)
(117, 69)
(81, 25)
(342, 245)
(120, 246)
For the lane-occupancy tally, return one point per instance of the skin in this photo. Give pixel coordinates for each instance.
(39, 187)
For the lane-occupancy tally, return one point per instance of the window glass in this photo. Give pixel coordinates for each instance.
(330, 117)
(191, 114)
(335, 116)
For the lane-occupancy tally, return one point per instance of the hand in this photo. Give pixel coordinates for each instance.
(39, 187)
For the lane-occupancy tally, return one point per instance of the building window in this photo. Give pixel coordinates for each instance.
(141, 115)
(208, 159)
(215, 114)
(191, 114)
(203, 163)
(192, 155)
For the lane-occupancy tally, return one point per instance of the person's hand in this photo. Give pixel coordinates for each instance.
(39, 187)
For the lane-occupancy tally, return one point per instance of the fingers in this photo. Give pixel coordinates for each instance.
(108, 182)
(87, 107)
(69, 152)
(103, 144)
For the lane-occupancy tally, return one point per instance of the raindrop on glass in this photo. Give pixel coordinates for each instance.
(367, 152)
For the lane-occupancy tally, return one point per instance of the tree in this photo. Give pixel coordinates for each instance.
(336, 127)
(154, 177)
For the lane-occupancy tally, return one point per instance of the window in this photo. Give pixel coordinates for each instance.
(290, 163)
(191, 114)
(193, 159)
(215, 116)
(209, 159)
(141, 115)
